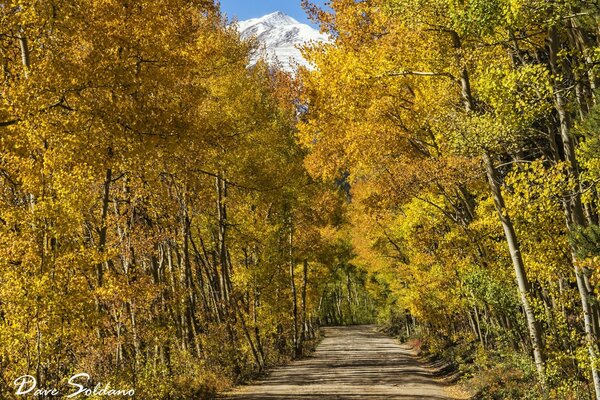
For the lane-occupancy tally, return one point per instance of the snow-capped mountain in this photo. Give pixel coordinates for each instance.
(279, 36)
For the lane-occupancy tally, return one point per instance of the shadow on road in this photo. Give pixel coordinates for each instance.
(354, 362)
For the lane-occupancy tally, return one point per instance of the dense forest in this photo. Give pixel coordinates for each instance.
(469, 132)
(158, 229)
(174, 221)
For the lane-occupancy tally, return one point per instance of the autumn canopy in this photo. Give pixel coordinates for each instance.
(175, 221)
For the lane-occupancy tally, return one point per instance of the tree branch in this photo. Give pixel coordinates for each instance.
(421, 73)
(9, 123)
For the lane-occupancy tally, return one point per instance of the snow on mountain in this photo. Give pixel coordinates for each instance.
(279, 36)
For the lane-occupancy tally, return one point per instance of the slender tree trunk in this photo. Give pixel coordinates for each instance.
(224, 278)
(303, 335)
(478, 326)
(533, 326)
(257, 337)
(24, 54)
(103, 225)
(338, 302)
(134, 333)
(102, 239)
(574, 214)
(293, 287)
(255, 353)
(517, 260)
(351, 309)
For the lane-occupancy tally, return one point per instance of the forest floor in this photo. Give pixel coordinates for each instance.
(353, 362)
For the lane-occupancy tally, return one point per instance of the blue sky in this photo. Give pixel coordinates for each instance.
(245, 9)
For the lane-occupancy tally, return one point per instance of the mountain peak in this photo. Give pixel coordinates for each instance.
(280, 35)
(279, 17)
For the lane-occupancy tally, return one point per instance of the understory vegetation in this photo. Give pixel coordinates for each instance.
(174, 221)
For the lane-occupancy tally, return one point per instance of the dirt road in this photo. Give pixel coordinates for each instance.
(350, 363)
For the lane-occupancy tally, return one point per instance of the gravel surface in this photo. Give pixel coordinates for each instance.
(355, 362)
